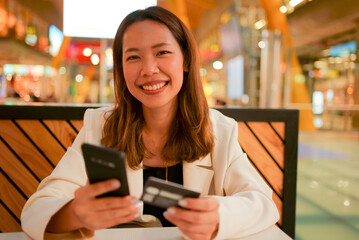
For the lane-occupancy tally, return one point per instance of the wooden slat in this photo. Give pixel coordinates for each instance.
(16, 171)
(279, 128)
(278, 202)
(43, 139)
(25, 149)
(10, 196)
(7, 221)
(77, 124)
(62, 130)
(270, 140)
(261, 158)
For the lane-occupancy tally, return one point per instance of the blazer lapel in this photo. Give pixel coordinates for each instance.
(135, 181)
(198, 175)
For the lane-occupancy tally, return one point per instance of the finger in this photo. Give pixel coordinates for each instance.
(99, 204)
(202, 226)
(200, 204)
(194, 216)
(98, 222)
(109, 214)
(198, 228)
(119, 220)
(99, 188)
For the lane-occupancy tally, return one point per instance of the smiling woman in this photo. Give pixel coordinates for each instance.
(162, 122)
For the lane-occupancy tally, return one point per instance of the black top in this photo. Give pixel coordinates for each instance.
(174, 174)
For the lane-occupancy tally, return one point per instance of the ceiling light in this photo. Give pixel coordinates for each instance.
(217, 65)
(294, 3)
(283, 9)
(95, 59)
(260, 24)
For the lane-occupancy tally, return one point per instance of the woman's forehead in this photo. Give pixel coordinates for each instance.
(147, 32)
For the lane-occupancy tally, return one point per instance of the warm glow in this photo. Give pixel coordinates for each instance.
(350, 90)
(283, 9)
(26, 98)
(261, 44)
(217, 65)
(260, 24)
(37, 93)
(79, 78)
(62, 70)
(87, 52)
(95, 59)
(203, 72)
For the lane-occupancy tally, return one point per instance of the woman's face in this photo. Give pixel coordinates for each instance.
(152, 64)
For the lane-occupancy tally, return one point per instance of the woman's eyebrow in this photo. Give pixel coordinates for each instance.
(131, 50)
(160, 45)
(153, 47)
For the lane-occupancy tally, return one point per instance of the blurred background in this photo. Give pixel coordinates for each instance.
(298, 54)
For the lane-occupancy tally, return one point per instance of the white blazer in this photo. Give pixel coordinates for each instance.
(246, 204)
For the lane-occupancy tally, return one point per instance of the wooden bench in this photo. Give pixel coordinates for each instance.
(34, 138)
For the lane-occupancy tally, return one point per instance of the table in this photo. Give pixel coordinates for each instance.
(169, 233)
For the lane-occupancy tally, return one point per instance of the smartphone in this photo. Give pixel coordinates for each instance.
(159, 193)
(103, 163)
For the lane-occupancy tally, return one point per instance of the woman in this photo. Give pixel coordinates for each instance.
(162, 122)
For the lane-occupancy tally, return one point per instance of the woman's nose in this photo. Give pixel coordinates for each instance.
(149, 67)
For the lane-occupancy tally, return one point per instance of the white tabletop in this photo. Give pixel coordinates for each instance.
(169, 233)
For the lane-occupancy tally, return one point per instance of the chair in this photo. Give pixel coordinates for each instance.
(34, 138)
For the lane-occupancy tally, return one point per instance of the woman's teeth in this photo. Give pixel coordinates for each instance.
(153, 87)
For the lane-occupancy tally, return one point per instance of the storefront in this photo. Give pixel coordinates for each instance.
(331, 82)
(230, 55)
(28, 43)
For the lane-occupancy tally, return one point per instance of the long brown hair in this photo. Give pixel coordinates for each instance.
(190, 135)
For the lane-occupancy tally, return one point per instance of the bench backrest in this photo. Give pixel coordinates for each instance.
(34, 138)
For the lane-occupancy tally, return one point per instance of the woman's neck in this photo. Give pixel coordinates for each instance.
(158, 121)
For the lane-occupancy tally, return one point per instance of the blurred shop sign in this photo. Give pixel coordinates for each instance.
(98, 19)
(27, 70)
(343, 50)
(20, 23)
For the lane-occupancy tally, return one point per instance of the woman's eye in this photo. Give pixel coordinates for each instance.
(134, 57)
(160, 53)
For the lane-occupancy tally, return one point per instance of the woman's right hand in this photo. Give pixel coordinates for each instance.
(97, 213)
(87, 211)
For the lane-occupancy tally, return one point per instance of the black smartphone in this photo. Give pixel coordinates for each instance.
(159, 193)
(103, 163)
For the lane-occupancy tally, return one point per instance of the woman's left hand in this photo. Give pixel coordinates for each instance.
(198, 220)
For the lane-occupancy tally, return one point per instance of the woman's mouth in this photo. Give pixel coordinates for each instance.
(153, 87)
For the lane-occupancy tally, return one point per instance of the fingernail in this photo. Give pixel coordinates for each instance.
(136, 215)
(166, 214)
(115, 184)
(171, 210)
(182, 203)
(134, 200)
(139, 204)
